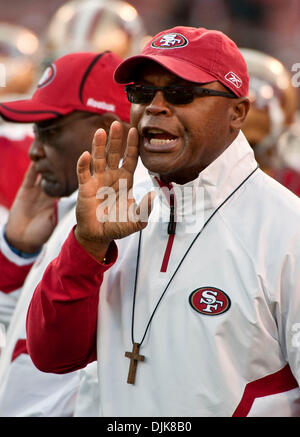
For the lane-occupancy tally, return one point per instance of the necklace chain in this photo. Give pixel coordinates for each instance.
(178, 266)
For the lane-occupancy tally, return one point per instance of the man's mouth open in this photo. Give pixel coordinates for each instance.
(156, 140)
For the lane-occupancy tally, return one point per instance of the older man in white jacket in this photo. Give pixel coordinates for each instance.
(38, 222)
(197, 315)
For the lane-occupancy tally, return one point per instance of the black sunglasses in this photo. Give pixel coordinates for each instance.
(174, 94)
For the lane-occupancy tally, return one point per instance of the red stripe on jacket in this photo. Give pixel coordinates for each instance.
(171, 238)
(277, 382)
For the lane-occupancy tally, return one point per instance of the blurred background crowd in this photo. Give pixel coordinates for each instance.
(268, 25)
(34, 33)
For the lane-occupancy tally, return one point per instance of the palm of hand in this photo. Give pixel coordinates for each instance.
(32, 217)
(105, 209)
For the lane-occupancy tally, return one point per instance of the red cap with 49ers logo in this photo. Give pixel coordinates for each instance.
(80, 81)
(194, 54)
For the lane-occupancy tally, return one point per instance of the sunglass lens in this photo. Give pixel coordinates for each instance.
(145, 95)
(174, 95)
(140, 95)
(178, 96)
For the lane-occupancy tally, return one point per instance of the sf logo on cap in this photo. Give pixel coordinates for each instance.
(47, 76)
(209, 300)
(170, 41)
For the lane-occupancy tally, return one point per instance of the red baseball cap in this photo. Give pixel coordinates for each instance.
(194, 54)
(74, 82)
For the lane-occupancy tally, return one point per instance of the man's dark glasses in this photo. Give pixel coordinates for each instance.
(174, 94)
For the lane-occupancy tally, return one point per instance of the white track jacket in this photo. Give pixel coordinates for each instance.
(225, 335)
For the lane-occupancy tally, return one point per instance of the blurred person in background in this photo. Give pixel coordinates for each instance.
(64, 124)
(94, 25)
(271, 126)
(81, 25)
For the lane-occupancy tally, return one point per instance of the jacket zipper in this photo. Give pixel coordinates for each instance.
(171, 232)
(171, 227)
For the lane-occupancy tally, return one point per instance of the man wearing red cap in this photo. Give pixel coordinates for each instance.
(198, 314)
(75, 96)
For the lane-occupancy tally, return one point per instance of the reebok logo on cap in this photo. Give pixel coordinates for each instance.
(234, 79)
(170, 41)
(101, 105)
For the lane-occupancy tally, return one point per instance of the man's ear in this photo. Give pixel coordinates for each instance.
(240, 109)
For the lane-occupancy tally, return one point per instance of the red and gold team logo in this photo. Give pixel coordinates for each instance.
(170, 41)
(47, 76)
(210, 301)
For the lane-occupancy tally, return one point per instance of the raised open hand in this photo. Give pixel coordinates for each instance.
(32, 217)
(105, 208)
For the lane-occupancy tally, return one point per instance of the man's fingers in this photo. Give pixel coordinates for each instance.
(83, 168)
(132, 151)
(115, 145)
(38, 181)
(99, 152)
(30, 176)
